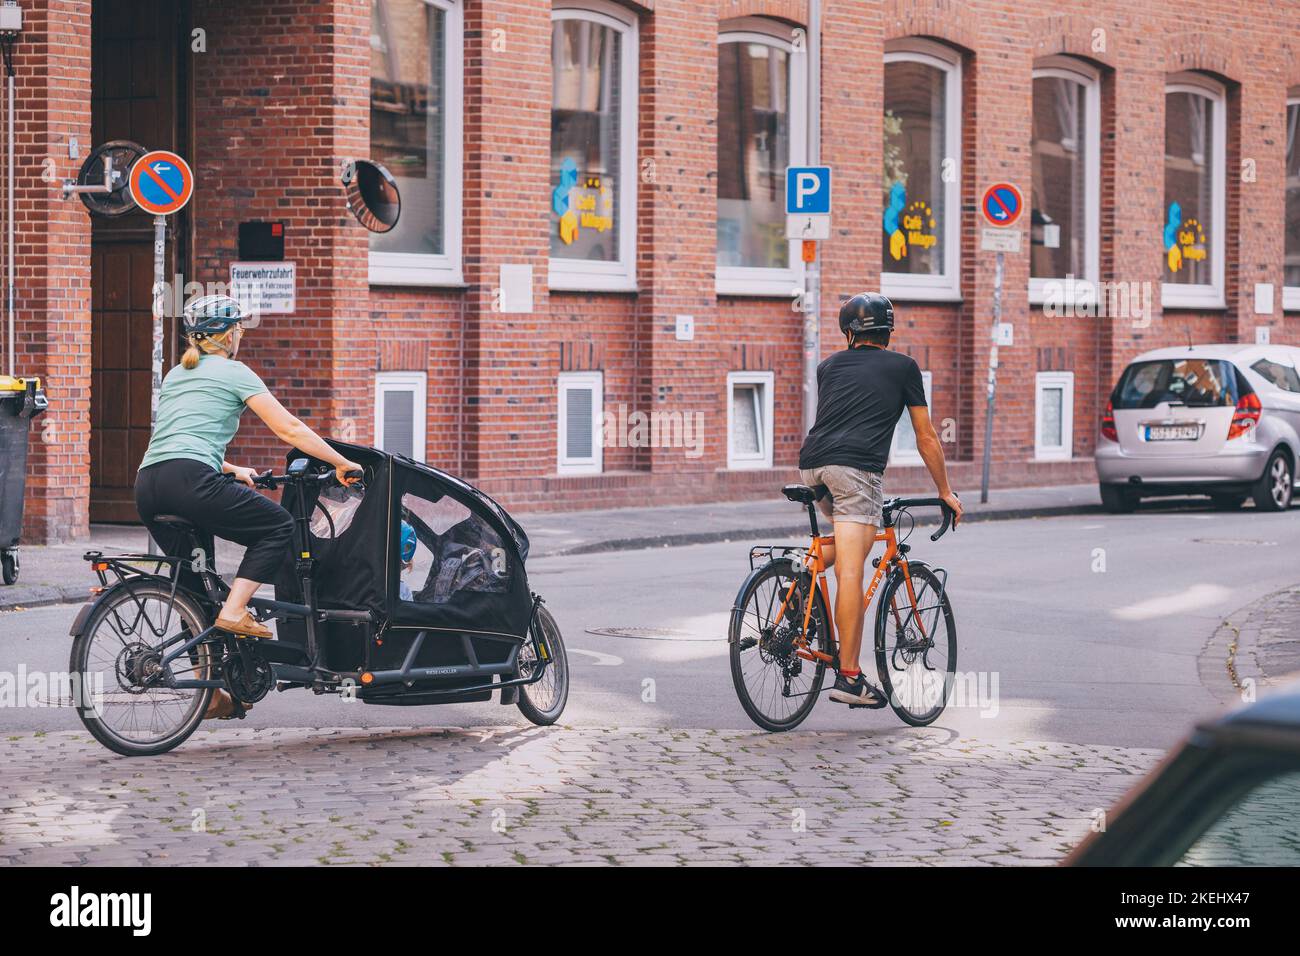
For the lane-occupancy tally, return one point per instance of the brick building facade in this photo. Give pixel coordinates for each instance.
(673, 121)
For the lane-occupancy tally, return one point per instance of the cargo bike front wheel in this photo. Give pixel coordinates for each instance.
(543, 701)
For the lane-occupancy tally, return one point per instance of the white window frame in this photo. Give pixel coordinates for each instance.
(593, 465)
(582, 275)
(945, 287)
(737, 461)
(414, 382)
(1083, 288)
(1051, 380)
(1202, 296)
(751, 280)
(420, 269)
(1290, 293)
(910, 456)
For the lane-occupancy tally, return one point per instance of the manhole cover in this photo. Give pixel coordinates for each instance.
(652, 634)
(1235, 541)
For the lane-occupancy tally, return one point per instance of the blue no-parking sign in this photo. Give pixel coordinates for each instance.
(807, 190)
(1002, 204)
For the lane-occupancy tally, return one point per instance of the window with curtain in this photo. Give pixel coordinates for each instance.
(1291, 267)
(1064, 191)
(921, 160)
(593, 144)
(407, 118)
(1192, 224)
(753, 153)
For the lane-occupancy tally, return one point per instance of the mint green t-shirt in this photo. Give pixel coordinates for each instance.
(199, 409)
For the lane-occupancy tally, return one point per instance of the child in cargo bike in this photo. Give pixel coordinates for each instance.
(185, 474)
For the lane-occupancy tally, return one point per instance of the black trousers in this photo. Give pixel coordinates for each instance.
(217, 505)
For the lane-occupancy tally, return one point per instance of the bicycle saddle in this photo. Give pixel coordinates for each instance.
(174, 521)
(804, 494)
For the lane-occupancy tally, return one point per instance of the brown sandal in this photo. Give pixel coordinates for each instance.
(244, 627)
(222, 706)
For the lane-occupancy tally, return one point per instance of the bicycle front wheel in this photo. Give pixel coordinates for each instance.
(916, 645)
(776, 683)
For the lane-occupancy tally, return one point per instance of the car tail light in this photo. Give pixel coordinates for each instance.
(1108, 423)
(1246, 415)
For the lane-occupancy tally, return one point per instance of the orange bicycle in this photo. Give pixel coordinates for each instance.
(782, 634)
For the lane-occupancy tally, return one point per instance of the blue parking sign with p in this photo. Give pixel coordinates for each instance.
(807, 190)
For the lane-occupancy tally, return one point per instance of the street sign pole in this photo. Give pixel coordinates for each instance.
(812, 332)
(159, 307)
(1001, 207)
(993, 381)
(160, 182)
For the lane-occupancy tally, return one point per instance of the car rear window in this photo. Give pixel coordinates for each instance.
(1194, 382)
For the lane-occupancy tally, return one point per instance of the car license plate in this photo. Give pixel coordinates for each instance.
(1173, 432)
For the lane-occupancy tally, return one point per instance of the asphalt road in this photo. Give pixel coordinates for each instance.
(1062, 649)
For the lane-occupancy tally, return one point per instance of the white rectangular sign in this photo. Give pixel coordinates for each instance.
(808, 227)
(1000, 240)
(267, 288)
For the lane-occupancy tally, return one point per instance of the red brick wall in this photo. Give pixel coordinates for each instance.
(281, 100)
(52, 62)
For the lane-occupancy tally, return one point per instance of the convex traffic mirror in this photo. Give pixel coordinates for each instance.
(372, 195)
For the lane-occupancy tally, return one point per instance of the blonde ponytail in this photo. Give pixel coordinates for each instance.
(200, 345)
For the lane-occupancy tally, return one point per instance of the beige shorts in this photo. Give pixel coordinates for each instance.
(854, 494)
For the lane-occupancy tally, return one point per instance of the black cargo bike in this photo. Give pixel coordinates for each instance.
(406, 588)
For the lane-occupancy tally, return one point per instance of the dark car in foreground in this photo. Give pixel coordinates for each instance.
(1229, 795)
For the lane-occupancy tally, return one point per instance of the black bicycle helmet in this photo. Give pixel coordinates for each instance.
(214, 314)
(867, 312)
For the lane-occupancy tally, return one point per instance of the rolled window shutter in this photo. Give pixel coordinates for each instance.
(578, 423)
(399, 422)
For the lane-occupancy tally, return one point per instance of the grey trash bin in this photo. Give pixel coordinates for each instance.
(21, 400)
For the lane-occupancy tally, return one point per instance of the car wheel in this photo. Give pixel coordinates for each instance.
(1117, 499)
(1273, 490)
(1227, 502)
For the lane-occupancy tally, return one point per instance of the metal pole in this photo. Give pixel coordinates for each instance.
(9, 224)
(159, 307)
(812, 339)
(993, 382)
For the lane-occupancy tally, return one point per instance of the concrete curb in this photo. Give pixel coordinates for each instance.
(44, 595)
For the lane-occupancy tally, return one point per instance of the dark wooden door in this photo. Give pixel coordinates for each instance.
(137, 93)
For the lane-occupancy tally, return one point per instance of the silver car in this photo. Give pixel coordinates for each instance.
(1217, 420)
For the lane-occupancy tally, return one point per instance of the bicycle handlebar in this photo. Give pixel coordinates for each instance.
(270, 480)
(902, 504)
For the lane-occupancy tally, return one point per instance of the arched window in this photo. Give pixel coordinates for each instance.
(922, 171)
(762, 129)
(1065, 152)
(415, 131)
(1192, 228)
(593, 147)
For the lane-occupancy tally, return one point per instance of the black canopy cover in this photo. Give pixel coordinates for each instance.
(417, 547)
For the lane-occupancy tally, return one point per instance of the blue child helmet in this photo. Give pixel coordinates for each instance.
(408, 542)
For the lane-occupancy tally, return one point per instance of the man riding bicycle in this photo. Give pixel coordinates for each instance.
(861, 394)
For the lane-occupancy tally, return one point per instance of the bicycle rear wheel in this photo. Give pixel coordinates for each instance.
(776, 686)
(117, 654)
(916, 645)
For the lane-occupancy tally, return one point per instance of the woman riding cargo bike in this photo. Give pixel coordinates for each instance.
(185, 473)
(396, 583)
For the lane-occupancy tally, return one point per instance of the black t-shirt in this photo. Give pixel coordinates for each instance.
(860, 395)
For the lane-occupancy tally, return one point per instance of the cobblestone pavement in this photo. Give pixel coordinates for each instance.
(555, 796)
